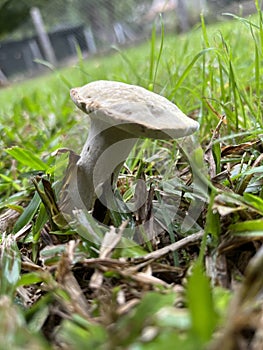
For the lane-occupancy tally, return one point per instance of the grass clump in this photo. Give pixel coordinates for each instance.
(64, 288)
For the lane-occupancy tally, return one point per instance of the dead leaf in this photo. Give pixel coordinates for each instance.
(237, 149)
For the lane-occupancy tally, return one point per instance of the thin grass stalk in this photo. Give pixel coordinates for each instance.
(203, 89)
(154, 62)
(204, 82)
(233, 92)
(159, 53)
(152, 54)
(260, 17)
(257, 69)
(221, 79)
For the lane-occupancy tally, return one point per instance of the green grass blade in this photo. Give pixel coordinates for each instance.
(187, 70)
(27, 158)
(10, 266)
(152, 53)
(201, 305)
(159, 53)
(28, 213)
(249, 226)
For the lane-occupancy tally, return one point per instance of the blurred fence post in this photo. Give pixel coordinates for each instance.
(43, 36)
(90, 40)
(182, 16)
(3, 79)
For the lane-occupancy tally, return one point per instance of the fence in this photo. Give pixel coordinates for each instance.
(91, 25)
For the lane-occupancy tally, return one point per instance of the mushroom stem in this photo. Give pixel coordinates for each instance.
(101, 159)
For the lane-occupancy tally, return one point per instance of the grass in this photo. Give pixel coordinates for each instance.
(58, 286)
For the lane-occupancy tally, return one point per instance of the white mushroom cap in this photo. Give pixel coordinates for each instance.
(132, 108)
(120, 114)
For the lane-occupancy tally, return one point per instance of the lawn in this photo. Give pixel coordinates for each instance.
(77, 283)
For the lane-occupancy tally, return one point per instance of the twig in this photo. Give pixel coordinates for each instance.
(174, 246)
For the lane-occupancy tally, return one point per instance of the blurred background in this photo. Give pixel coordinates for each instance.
(35, 34)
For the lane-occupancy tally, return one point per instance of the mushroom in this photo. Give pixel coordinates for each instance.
(120, 114)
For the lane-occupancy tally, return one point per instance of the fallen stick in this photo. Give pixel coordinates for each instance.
(174, 246)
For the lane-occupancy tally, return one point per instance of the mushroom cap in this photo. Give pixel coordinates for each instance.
(129, 107)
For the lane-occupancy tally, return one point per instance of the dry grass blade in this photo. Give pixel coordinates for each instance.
(237, 149)
(209, 157)
(8, 219)
(110, 241)
(77, 301)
